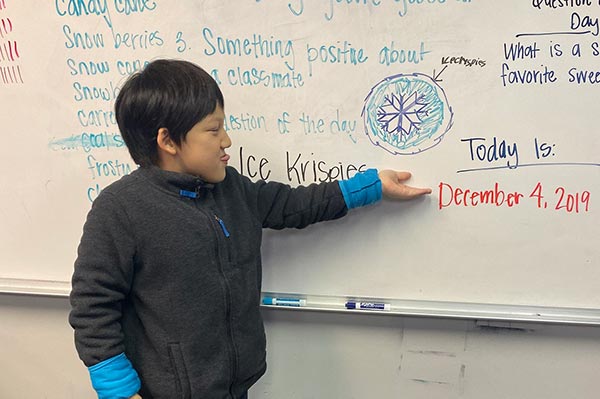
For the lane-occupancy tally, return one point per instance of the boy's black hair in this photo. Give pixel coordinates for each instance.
(170, 94)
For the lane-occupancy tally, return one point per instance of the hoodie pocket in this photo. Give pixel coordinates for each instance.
(182, 382)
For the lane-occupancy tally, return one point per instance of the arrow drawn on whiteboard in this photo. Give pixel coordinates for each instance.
(435, 77)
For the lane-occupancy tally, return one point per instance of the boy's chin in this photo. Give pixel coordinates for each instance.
(216, 178)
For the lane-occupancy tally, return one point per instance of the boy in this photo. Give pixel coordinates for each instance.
(167, 282)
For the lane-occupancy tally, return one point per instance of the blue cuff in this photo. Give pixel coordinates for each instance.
(115, 378)
(362, 189)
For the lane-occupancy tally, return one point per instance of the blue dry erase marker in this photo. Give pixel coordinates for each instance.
(368, 305)
(284, 301)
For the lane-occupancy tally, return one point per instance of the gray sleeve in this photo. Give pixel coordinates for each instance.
(101, 281)
(281, 206)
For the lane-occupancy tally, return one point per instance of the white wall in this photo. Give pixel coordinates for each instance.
(330, 355)
(37, 355)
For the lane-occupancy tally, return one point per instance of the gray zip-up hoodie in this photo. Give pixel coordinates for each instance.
(174, 281)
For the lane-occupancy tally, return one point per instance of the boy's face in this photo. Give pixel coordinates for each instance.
(202, 152)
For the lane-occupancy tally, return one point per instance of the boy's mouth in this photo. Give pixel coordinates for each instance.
(225, 158)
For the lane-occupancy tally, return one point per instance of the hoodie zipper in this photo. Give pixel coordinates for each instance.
(232, 351)
(223, 227)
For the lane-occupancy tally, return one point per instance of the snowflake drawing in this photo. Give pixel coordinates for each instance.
(406, 114)
(402, 115)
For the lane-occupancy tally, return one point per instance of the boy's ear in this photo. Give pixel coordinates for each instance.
(164, 142)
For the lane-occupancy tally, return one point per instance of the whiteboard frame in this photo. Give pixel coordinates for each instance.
(399, 307)
(35, 287)
(449, 310)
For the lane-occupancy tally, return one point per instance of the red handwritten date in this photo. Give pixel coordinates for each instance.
(561, 199)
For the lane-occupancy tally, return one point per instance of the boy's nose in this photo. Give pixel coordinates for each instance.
(226, 140)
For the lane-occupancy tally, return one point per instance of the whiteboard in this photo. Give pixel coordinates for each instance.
(491, 104)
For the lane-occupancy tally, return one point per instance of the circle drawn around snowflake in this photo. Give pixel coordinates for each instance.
(407, 114)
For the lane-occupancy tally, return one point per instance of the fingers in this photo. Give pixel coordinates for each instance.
(413, 192)
(420, 191)
(404, 192)
(403, 175)
(424, 191)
